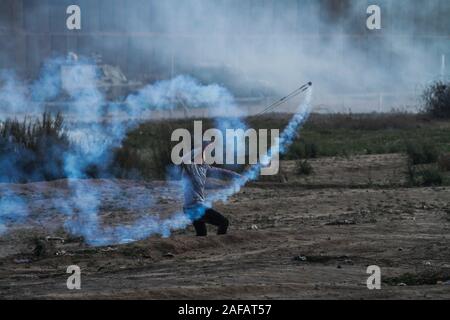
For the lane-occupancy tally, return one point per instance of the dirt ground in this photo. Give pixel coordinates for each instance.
(293, 237)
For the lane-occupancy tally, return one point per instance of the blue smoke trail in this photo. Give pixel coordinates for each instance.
(152, 225)
(12, 93)
(94, 141)
(286, 138)
(12, 209)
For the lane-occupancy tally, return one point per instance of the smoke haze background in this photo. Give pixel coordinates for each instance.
(93, 143)
(248, 44)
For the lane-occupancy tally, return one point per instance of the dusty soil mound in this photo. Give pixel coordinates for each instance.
(287, 240)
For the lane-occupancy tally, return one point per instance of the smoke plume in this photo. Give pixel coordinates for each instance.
(93, 142)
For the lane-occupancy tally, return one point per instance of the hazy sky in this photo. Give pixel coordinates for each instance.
(277, 44)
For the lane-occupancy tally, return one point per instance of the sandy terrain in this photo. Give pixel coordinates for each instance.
(290, 237)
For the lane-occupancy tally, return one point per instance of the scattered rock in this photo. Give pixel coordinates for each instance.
(107, 249)
(341, 223)
(60, 253)
(43, 248)
(50, 238)
(162, 200)
(402, 284)
(300, 258)
(168, 255)
(22, 261)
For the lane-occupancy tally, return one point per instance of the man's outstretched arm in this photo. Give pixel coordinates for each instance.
(220, 173)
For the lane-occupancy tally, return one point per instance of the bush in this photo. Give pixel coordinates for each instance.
(145, 152)
(444, 162)
(311, 150)
(302, 149)
(33, 150)
(304, 168)
(426, 177)
(421, 152)
(437, 100)
(430, 177)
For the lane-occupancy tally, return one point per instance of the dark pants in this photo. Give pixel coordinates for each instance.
(204, 215)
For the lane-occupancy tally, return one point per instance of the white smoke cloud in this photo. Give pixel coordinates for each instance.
(94, 138)
(276, 43)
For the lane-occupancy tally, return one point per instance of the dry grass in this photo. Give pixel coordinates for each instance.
(33, 149)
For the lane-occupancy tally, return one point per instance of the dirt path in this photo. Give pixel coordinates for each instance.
(286, 241)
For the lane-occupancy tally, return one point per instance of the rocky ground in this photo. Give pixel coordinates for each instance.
(291, 237)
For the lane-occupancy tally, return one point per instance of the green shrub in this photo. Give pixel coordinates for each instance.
(437, 100)
(296, 151)
(421, 152)
(311, 150)
(431, 177)
(302, 149)
(146, 151)
(425, 176)
(303, 167)
(444, 162)
(33, 150)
